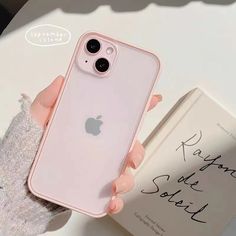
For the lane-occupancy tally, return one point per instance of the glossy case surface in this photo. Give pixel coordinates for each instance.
(74, 168)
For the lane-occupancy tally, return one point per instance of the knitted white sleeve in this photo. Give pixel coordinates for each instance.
(21, 213)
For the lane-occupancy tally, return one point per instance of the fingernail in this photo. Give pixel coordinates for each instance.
(119, 186)
(159, 97)
(133, 165)
(136, 162)
(112, 206)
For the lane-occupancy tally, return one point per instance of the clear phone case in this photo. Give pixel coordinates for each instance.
(92, 128)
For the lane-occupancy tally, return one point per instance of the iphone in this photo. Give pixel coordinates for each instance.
(94, 124)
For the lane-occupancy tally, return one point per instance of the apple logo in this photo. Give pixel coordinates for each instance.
(92, 125)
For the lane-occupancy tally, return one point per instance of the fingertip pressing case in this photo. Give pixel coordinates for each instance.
(93, 126)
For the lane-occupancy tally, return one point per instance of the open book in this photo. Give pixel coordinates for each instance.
(187, 184)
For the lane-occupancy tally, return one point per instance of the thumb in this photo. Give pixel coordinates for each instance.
(45, 100)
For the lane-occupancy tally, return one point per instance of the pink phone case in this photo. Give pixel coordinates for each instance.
(92, 128)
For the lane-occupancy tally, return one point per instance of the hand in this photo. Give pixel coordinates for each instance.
(41, 109)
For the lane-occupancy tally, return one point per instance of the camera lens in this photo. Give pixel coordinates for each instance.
(93, 45)
(102, 65)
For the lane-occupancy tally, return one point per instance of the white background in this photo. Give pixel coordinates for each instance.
(194, 40)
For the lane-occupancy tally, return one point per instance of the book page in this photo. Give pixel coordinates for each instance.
(188, 184)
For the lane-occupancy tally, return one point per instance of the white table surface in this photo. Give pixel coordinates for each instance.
(194, 40)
